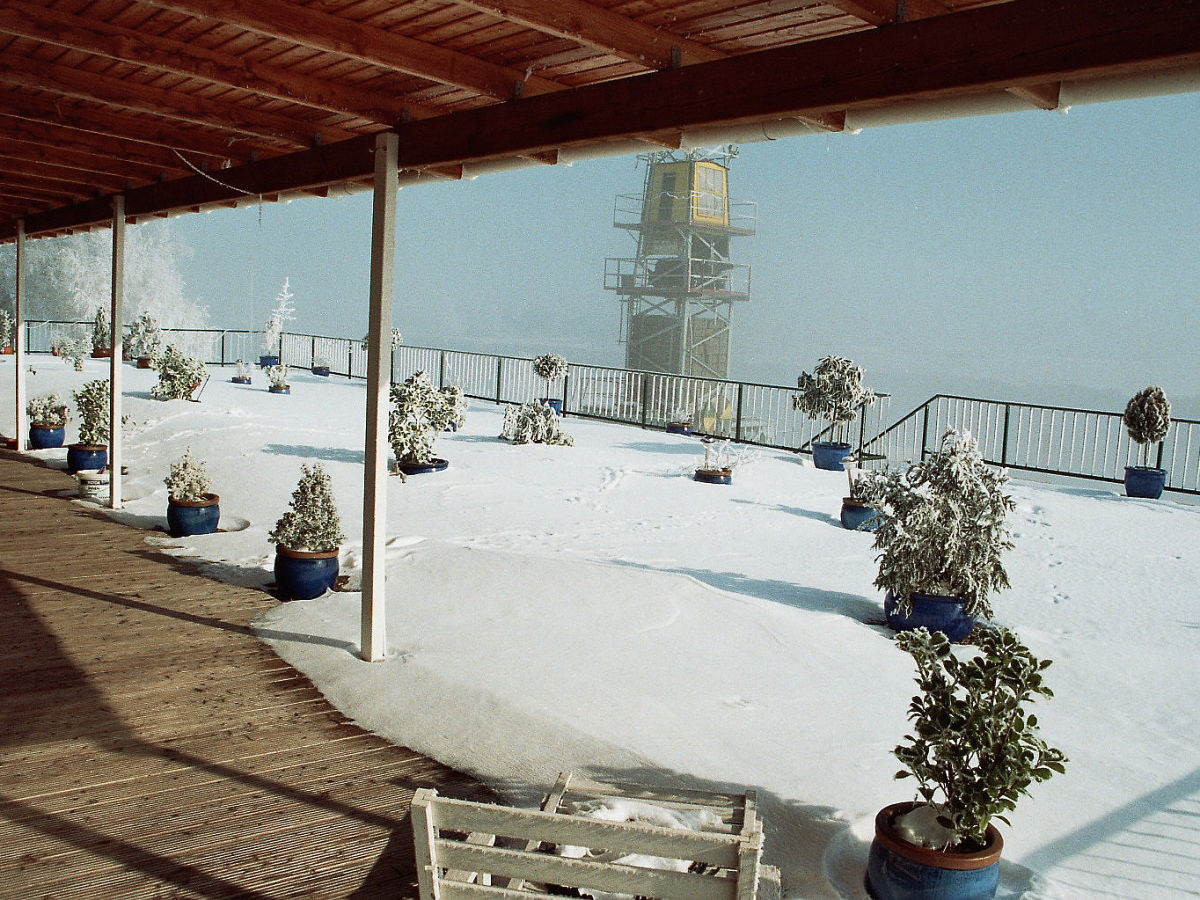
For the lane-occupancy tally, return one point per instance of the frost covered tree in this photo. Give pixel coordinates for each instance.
(178, 375)
(143, 338)
(6, 328)
(1148, 419)
(534, 423)
(92, 402)
(311, 522)
(188, 479)
(283, 312)
(550, 367)
(834, 392)
(101, 330)
(421, 412)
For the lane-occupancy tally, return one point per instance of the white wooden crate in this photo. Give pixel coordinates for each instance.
(477, 850)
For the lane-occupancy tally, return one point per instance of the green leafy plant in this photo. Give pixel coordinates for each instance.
(534, 423)
(311, 522)
(101, 331)
(942, 527)
(47, 411)
(178, 375)
(92, 402)
(974, 749)
(188, 479)
(833, 392)
(1148, 419)
(421, 413)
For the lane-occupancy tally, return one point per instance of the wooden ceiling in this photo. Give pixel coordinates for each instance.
(186, 104)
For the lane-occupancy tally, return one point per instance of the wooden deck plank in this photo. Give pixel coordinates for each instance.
(151, 746)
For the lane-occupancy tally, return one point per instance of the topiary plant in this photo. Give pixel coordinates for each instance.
(421, 414)
(92, 401)
(188, 479)
(833, 392)
(975, 749)
(551, 367)
(101, 331)
(47, 411)
(178, 375)
(942, 527)
(534, 423)
(311, 523)
(1147, 419)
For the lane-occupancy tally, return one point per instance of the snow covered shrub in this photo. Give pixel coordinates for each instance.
(1148, 419)
(833, 392)
(143, 337)
(421, 414)
(397, 339)
(48, 411)
(534, 423)
(311, 522)
(243, 370)
(101, 332)
(975, 749)
(178, 375)
(277, 376)
(283, 312)
(941, 527)
(73, 350)
(6, 328)
(551, 367)
(188, 479)
(92, 402)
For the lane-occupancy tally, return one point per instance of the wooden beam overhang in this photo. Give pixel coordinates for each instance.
(1023, 42)
(322, 31)
(884, 12)
(1043, 96)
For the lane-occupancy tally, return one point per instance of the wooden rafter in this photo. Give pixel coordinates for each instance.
(596, 26)
(88, 152)
(77, 181)
(322, 31)
(883, 12)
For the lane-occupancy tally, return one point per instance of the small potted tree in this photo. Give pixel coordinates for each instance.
(6, 333)
(178, 375)
(101, 335)
(273, 330)
(191, 507)
(320, 366)
(277, 375)
(72, 350)
(717, 467)
(241, 374)
(421, 412)
(143, 340)
(974, 752)
(940, 536)
(834, 392)
(681, 422)
(857, 513)
(47, 421)
(534, 423)
(307, 538)
(1147, 419)
(91, 451)
(551, 367)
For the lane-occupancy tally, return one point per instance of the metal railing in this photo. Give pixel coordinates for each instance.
(1051, 440)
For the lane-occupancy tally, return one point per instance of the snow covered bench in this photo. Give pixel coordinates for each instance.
(607, 840)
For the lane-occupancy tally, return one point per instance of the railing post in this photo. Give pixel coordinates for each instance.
(645, 397)
(566, 390)
(862, 432)
(499, 375)
(1004, 438)
(737, 423)
(925, 429)
(350, 360)
(441, 368)
(1159, 461)
(222, 348)
(312, 352)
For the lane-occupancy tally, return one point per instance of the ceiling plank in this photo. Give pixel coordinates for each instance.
(125, 94)
(87, 151)
(884, 12)
(19, 17)
(1043, 96)
(595, 26)
(1021, 42)
(325, 31)
(79, 182)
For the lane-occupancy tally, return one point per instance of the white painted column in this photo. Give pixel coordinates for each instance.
(379, 355)
(116, 361)
(22, 419)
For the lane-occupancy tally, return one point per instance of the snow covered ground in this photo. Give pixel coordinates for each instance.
(591, 607)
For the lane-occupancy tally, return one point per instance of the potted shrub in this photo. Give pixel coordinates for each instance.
(277, 375)
(178, 375)
(681, 423)
(47, 421)
(101, 335)
(834, 392)
(72, 350)
(191, 507)
(551, 367)
(717, 467)
(273, 331)
(307, 538)
(242, 375)
(91, 452)
(320, 366)
(1147, 419)
(143, 340)
(534, 423)
(857, 513)
(421, 412)
(6, 332)
(940, 536)
(974, 752)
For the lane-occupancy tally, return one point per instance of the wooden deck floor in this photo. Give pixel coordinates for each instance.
(152, 747)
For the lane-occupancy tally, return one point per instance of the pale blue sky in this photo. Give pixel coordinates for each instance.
(1035, 256)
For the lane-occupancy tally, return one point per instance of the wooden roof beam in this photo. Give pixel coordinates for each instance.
(143, 98)
(29, 20)
(87, 152)
(884, 12)
(310, 27)
(81, 183)
(1043, 96)
(596, 26)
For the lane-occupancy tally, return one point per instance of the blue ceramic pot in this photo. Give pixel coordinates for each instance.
(553, 402)
(857, 516)
(898, 870)
(43, 438)
(1145, 481)
(240, 379)
(279, 390)
(84, 456)
(679, 428)
(830, 454)
(436, 464)
(945, 614)
(714, 476)
(303, 575)
(321, 370)
(265, 361)
(186, 517)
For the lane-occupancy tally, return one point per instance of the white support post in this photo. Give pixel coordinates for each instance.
(114, 371)
(373, 642)
(22, 419)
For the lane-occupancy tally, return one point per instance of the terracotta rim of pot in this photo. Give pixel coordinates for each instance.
(703, 471)
(852, 501)
(209, 500)
(940, 859)
(91, 447)
(46, 427)
(306, 554)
